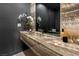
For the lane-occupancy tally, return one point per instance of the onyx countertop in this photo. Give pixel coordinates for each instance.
(52, 43)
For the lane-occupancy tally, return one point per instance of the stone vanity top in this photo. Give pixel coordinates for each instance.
(53, 43)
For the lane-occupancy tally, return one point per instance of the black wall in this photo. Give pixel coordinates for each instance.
(9, 33)
(50, 14)
(41, 11)
(57, 21)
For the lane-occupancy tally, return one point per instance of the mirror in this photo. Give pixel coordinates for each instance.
(48, 18)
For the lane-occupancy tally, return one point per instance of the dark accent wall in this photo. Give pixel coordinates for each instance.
(9, 32)
(50, 15)
(51, 20)
(57, 21)
(41, 11)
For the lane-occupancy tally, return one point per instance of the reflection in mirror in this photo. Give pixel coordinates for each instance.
(48, 18)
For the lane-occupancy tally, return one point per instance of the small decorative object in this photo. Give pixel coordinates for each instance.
(39, 20)
(29, 24)
(19, 25)
(77, 40)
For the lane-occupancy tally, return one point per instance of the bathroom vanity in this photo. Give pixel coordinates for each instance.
(48, 45)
